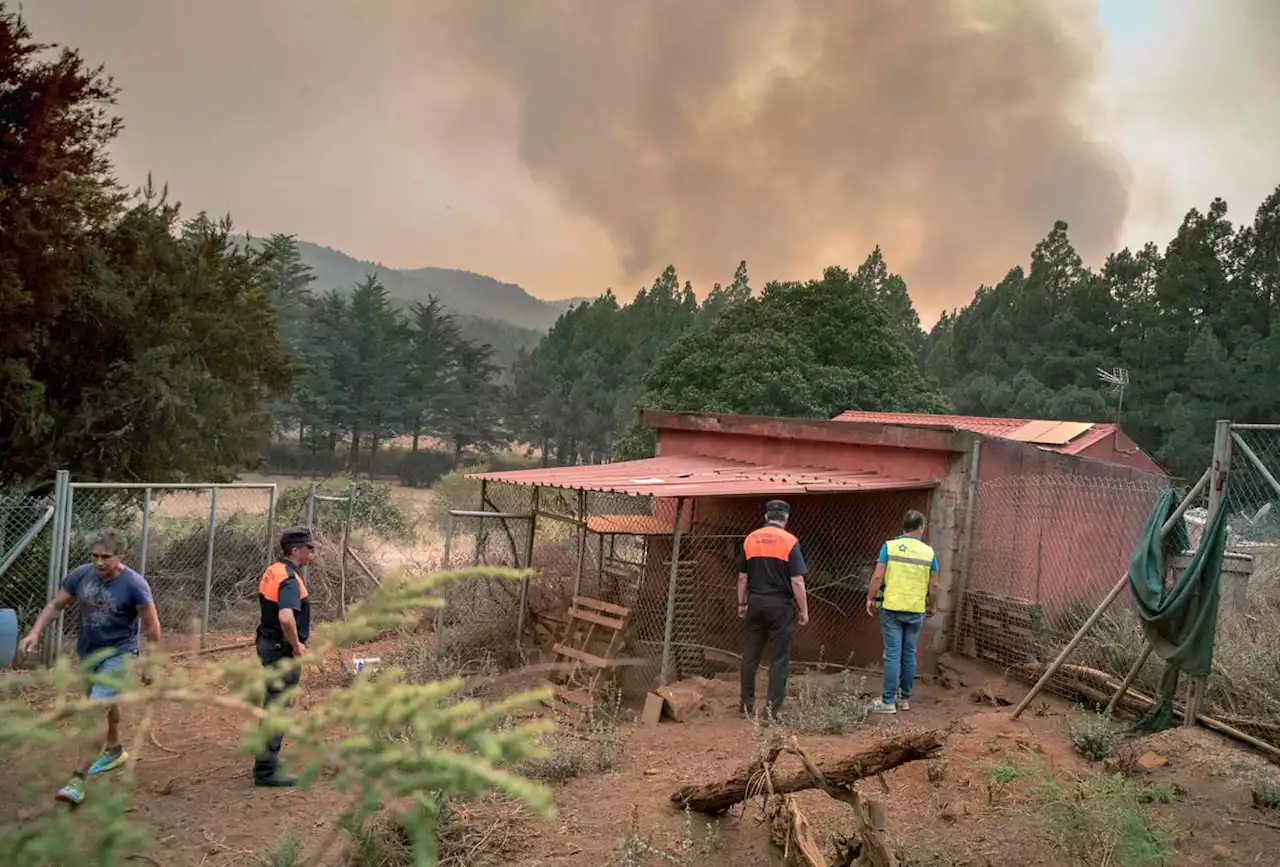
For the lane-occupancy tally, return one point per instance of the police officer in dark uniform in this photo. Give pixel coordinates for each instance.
(282, 633)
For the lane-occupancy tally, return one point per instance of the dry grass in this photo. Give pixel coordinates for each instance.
(1245, 688)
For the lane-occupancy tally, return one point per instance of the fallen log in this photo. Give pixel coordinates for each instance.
(715, 798)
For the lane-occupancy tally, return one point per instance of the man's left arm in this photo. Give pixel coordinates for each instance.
(742, 580)
(798, 569)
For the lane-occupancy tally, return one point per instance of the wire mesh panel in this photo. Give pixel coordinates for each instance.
(201, 549)
(840, 537)
(1045, 551)
(25, 535)
(481, 616)
(1244, 690)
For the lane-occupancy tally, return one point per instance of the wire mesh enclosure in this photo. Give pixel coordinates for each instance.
(201, 548)
(25, 538)
(673, 564)
(1045, 551)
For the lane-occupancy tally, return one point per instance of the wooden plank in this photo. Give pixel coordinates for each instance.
(596, 604)
(652, 713)
(580, 697)
(582, 656)
(598, 619)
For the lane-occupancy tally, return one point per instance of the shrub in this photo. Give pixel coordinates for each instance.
(454, 491)
(1266, 794)
(1103, 819)
(375, 509)
(829, 708)
(597, 746)
(1094, 737)
(422, 469)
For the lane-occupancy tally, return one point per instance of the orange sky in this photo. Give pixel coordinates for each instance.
(571, 147)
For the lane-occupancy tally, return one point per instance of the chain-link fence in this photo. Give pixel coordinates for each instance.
(25, 537)
(201, 548)
(1044, 551)
(622, 550)
(1244, 691)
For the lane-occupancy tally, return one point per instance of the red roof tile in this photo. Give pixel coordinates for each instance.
(698, 476)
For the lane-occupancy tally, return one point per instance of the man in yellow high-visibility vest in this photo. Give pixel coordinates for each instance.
(908, 570)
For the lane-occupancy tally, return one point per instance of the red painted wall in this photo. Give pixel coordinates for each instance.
(1119, 449)
(1054, 530)
(764, 451)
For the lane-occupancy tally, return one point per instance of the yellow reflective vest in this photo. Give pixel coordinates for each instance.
(906, 574)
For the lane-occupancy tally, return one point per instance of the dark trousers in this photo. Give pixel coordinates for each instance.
(271, 652)
(770, 620)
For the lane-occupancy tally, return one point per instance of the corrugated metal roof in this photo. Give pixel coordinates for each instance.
(698, 476)
(1003, 428)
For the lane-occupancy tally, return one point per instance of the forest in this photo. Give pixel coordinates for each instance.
(142, 345)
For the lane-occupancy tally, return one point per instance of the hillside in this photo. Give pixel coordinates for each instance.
(464, 292)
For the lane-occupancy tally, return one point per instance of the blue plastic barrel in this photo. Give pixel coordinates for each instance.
(8, 637)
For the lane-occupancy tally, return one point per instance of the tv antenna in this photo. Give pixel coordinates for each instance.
(1116, 380)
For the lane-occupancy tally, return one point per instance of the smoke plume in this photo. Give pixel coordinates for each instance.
(799, 133)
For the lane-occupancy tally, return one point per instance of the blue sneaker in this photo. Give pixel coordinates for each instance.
(73, 792)
(108, 761)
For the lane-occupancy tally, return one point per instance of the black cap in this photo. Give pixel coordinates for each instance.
(295, 536)
(777, 507)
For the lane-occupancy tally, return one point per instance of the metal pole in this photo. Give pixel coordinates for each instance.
(271, 525)
(1256, 461)
(146, 531)
(208, 564)
(68, 527)
(1128, 679)
(311, 516)
(966, 554)
(444, 567)
(528, 564)
(346, 537)
(671, 592)
(57, 535)
(1106, 603)
(1220, 468)
(582, 542)
(481, 538)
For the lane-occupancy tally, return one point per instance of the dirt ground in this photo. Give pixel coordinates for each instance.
(198, 805)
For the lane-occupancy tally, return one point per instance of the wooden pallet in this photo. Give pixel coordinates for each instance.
(584, 662)
(1002, 630)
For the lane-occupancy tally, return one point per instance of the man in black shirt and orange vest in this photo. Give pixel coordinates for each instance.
(282, 634)
(772, 600)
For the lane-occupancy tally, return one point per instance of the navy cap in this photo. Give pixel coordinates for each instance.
(295, 536)
(777, 507)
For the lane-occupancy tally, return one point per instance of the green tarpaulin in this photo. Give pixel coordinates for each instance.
(1181, 621)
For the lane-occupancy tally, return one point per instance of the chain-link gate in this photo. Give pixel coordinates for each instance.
(25, 538)
(201, 548)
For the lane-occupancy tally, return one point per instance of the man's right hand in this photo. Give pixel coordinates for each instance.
(28, 644)
(871, 607)
(299, 649)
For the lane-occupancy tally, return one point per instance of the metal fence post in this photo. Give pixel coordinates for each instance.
(582, 542)
(146, 531)
(528, 564)
(208, 564)
(311, 516)
(671, 592)
(444, 567)
(346, 536)
(64, 566)
(1219, 470)
(271, 525)
(57, 537)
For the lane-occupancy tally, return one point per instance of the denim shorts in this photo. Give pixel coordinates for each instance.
(109, 665)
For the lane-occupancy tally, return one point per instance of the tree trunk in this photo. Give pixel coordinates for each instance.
(354, 457)
(715, 798)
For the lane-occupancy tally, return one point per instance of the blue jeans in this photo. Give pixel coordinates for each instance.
(901, 632)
